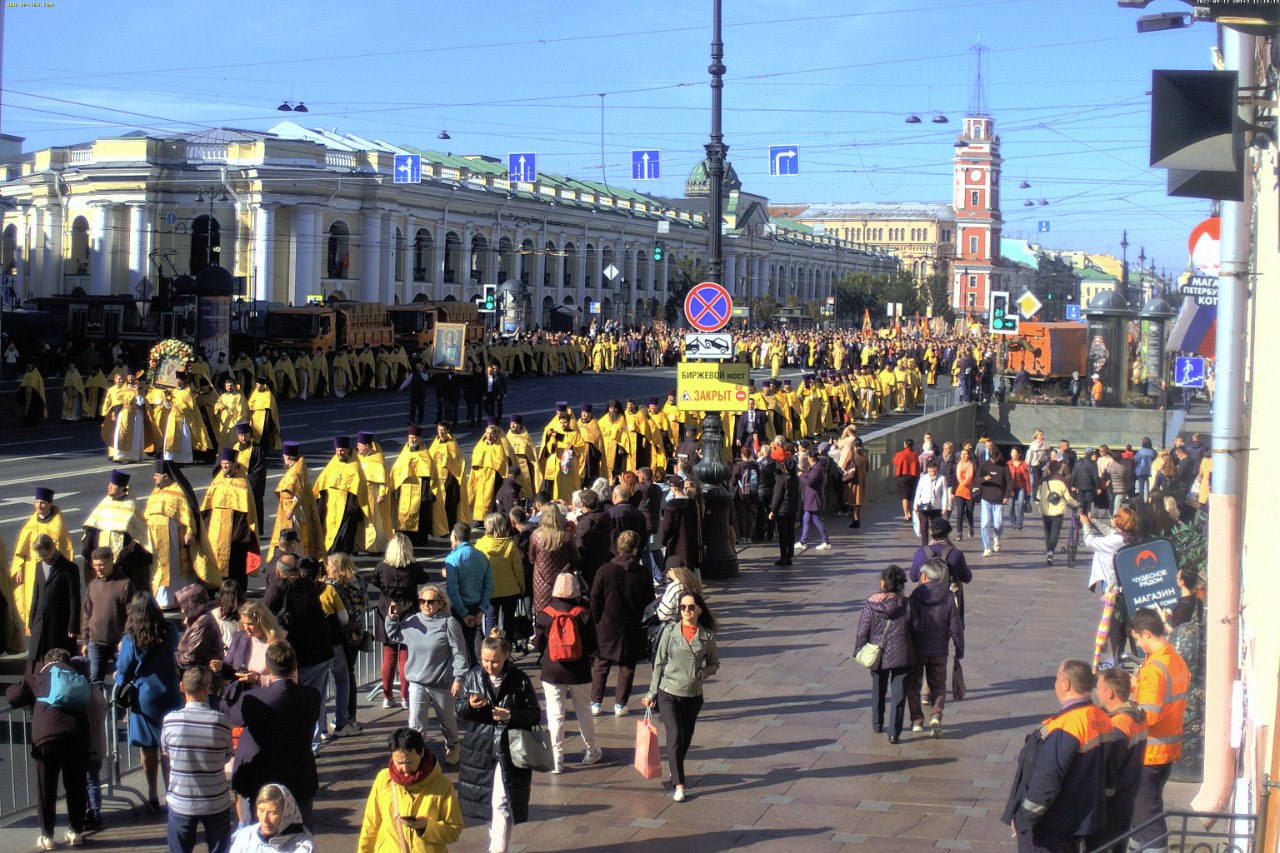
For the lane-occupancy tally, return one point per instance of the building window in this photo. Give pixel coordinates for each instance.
(973, 198)
(973, 281)
(971, 300)
(973, 245)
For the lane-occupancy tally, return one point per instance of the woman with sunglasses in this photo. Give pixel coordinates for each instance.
(436, 662)
(686, 657)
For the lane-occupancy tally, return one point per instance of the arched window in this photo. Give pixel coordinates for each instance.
(423, 255)
(339, 250)
(479, 266)
(551, 258)
(400, 249)
(570, 265)
(452, 257)
(206, 242)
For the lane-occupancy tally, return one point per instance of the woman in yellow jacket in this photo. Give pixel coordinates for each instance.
(412, 807)
(508, 572)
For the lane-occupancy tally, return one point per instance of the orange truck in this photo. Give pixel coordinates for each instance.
(1048, 350)
(415, 323)
(325, 328)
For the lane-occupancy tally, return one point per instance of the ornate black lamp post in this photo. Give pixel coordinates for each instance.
(720, 558)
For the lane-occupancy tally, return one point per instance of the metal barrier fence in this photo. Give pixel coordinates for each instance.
(18, 783)
(1197, 832)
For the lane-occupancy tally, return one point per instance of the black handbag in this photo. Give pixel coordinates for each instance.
(522, 624)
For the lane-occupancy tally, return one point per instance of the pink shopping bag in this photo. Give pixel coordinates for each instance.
(648, 756)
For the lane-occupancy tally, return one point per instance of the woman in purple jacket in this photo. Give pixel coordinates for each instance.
(884, 621)
(813, 502)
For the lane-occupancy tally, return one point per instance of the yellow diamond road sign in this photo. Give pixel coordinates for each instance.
(712, 387)
(1028, 305)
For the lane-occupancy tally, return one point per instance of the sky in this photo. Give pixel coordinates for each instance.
(583, 83)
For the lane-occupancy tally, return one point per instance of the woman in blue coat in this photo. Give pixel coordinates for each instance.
(147, 658)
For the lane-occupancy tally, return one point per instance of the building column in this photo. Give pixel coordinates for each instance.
(539, 277)
(407, 259)
(442, 248)
(580, 276)
(387, 264)
(264, 244)
(139, 243)
(370, 254)
(730, 273)
(34, 239)
(306, 250)
(100, 251)
(633, 279)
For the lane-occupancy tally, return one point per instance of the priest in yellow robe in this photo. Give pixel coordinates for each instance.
(342, 498)
(296, 508)
(231, 520)
(411, 489)
(377, 529)
(447, 467)
(179, 545)
(562, 458)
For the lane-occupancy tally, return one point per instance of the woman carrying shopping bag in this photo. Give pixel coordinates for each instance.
(686, 658)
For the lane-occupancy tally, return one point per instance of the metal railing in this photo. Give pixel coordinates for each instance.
(1197, 832)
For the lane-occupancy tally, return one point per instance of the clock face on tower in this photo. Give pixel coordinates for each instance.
(975, 174)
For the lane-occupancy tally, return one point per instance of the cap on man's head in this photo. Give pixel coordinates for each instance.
(226, 454)
(120, 478)
(415, 430)
(562, 406)
(291, 448)
(244, 428)
(517, 419)
(490, 421)
(342, 442)
(365, 438)
(44, 494)
(162, 467)
(587, 408)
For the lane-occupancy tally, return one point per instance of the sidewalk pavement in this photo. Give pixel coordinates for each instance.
(784, 757)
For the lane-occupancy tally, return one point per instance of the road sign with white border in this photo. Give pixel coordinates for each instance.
(523, 167)
(1043, 226)
(1188, 371)
(708, 345)
(708, 307)
(1073, 313)
(784, 160)
(407, 169)
(646, 164)
(1028, 305)
(611, 272)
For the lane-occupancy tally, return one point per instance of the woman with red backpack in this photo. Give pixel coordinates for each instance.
(566, 638)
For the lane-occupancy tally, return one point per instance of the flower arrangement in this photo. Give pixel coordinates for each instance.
(172, 348)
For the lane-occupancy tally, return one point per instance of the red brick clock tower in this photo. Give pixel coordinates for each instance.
(976, 195)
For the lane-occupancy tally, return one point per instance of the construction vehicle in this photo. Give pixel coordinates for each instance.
(415, 323)
(1048, 350)
(324, 328)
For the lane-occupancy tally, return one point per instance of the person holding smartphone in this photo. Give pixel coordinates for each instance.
(412, 805)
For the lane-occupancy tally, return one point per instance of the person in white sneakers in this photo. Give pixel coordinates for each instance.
(436, 663)
(566, 639)
(992, 490)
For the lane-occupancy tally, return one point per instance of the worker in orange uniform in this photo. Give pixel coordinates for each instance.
(1160, 689)
(1125, 761)
(1059, 790)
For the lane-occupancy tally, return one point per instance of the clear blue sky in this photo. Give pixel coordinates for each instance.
(1066, 81)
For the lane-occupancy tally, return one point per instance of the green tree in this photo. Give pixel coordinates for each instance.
(937, 289)
(688, 272)
(764, 310)
(813, 309)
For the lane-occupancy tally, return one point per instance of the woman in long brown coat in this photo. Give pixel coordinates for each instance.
(551, 551)
(621, 592)
(861, 464)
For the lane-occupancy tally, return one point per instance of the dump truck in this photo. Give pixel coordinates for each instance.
(324, 328)
(1048, 350)
(415, 323)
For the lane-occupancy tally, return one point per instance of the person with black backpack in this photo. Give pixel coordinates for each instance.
(566, 638)
(746, 494)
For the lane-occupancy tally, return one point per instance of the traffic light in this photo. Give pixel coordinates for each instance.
(490, 297)
(1003, 321)
(657, 253)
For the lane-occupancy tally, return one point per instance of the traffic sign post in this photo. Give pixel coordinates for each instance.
(645, 165)
(406, 169)
(708, 307)
(1073, 313)
(720, 387)
(1001, 320)
(522, 167)
(709, 345)
(1043, 226)
(1188, 372)
(1029, 305)
(784, 160)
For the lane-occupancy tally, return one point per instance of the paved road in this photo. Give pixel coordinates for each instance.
(784, 757)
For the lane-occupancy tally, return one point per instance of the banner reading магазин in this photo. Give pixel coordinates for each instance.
(1148, 574)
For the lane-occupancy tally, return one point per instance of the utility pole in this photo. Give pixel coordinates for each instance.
(720, 557)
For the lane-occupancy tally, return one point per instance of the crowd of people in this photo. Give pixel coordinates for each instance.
(582, 545)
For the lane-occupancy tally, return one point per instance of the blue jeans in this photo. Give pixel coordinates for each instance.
(814, 518)
(341, 686)
(317, 676)
(1015, 502)
(93, 784)
(992, 522)
(102, 661)
(652, 560)
(183, 829)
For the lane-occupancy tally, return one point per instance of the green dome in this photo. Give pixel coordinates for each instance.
(699, 185)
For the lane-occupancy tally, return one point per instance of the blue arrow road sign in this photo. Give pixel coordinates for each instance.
(523, 167)
(1044, 226)
(407, 169)
(644, 165)
(1188, 372)
(784, 160)
(1073, 313)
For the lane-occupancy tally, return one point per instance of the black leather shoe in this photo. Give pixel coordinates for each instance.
(894, 739)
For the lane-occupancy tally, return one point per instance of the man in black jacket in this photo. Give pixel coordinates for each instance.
(744, 484)
(647, 498)
(783, 509)
(276, 745)
(767, 476)
(748, 430)
(495, 392)
(295, 600)
(993, 488)
(935, 625)
(592, 533)
(1084, 481)
(623, 516)
(54, 620)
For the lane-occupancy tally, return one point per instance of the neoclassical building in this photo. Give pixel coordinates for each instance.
(296, 214)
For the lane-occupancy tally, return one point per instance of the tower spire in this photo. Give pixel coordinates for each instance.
(978, 98)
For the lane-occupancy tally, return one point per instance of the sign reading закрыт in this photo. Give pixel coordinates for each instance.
(720, 387)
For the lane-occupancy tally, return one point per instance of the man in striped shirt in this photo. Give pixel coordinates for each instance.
(197, 741)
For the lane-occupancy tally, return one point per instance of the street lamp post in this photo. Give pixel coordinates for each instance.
(720, 558)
